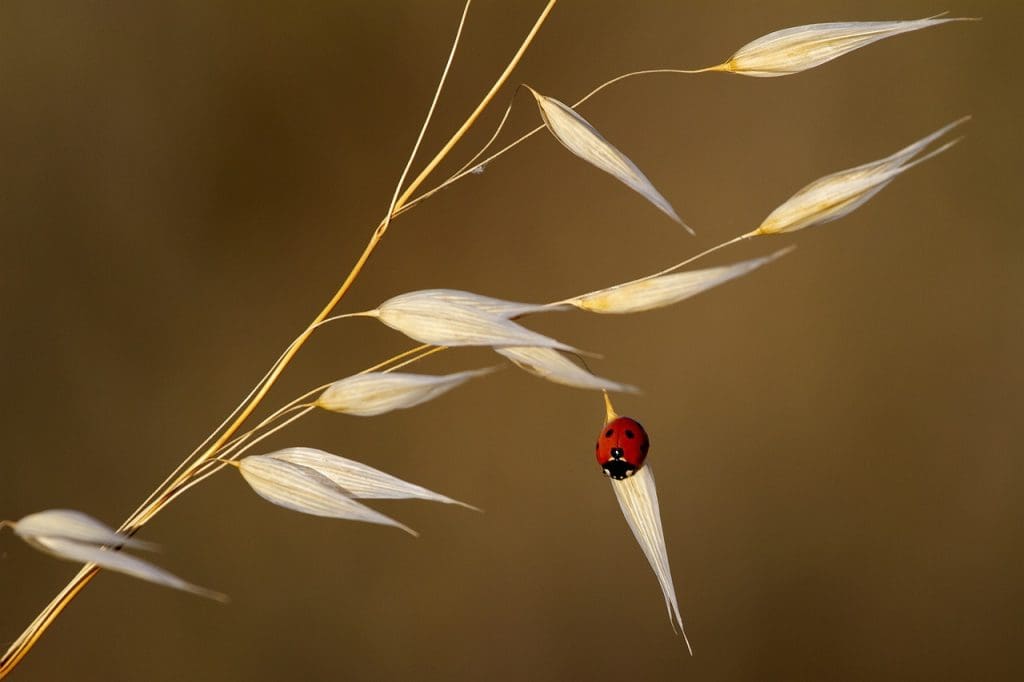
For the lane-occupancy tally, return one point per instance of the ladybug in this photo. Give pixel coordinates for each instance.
(622, 448)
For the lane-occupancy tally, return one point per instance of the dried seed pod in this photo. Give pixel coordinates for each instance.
(582, 139)
(836, 195)
(433, 316)
(359, 480)
(375, 393)
(68, 524)
(551, 365)
(638, 499)
(799, 48)
(74, 536)
(303, 489)
(487, 304)
(648, 293)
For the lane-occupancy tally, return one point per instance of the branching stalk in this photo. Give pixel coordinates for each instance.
(41, 623)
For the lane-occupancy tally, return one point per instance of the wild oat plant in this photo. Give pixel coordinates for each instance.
(313, 481)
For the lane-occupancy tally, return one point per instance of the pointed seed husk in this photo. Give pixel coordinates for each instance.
(69, 524)
(375, 393)
(432, 317)
(73, 536)
(357, 479)
(577, 135)
(638, 499)
(553, 366)
(800, 48)
(649, 293)
(306, 490)
(836, 195)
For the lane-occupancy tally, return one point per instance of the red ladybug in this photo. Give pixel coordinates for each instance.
(622, 448)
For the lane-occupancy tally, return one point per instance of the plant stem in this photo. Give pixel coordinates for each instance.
(41, 623)
(473, 163)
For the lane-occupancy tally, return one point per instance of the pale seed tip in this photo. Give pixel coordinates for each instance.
(609, 411)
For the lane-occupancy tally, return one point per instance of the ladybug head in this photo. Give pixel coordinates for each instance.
(618, 469)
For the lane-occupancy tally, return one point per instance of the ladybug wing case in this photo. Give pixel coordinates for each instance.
(622, 448)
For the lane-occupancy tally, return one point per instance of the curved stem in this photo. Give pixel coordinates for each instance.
(671, 268)
(17, 651)
(427, 352)
(633, 74)
(185, 462)
(401, 356)
(472, 164)
(468, 167)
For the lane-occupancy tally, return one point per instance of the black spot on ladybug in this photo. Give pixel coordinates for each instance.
(645, 446)
(629, 434)
(597, 445)
(608, 433)
(618, 469)
(618, 453)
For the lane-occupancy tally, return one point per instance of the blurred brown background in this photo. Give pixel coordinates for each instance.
(837, 437)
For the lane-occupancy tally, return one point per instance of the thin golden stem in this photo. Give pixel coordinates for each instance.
(21, 646)
(375, 238)
(494, 136)
(414, 185)
(468, 167)
(297, 403)
(17, 651)
(396, 358)
(229, 449)
(702, 254)
(185, 462)
(306, 409)
(430, 350)
(335, 318)
(633, 74)
(238, 441)
(666, 271)
(426, 122)
(220, 461)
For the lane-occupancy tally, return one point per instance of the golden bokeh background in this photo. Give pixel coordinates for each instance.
(837, 437)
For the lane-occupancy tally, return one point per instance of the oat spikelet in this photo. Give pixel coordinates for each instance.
(800, 48)
(836, 195)
(374, 393)
(582, 139)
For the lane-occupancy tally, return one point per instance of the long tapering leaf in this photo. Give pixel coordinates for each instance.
(638, 499)
(581, 138)
(358, 479)
(306, 490)
(375, 393)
